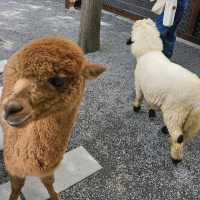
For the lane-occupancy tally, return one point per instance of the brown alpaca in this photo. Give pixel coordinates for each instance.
(43, 87)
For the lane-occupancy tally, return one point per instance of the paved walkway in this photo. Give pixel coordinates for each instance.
(132, 150)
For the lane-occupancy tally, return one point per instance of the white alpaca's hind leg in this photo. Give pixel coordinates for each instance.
(174, 122)
(177, 144)
(138, 99)
(152, 111)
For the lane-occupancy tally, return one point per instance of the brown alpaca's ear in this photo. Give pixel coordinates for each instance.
(92, 71)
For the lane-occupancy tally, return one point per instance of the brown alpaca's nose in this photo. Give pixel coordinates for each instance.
(12, 108)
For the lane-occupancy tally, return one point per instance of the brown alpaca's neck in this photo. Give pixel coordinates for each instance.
(38, 148)
(59, 124)
(54, 130)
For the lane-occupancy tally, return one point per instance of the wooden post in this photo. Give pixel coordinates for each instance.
(89, 37)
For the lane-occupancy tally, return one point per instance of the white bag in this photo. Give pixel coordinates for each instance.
(159, 6)
(168, 7)
(169, 12)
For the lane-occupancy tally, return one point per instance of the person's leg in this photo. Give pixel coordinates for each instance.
(170, 38)
(163, 32)
(169, 43)
(168, 34)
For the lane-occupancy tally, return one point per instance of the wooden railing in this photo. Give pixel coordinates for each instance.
(187, 34)
(194, 13)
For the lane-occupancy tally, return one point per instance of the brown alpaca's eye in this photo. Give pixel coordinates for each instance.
(56, 81)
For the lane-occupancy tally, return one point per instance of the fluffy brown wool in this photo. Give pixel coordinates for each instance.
(43, 87)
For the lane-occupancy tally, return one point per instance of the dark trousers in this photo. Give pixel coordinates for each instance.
(168, 34)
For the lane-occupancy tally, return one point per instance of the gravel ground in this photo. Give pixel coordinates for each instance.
(132, 150)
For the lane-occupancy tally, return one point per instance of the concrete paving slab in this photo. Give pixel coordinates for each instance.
(1, 133)
(2, 65)
(5, 191)
(1, 139)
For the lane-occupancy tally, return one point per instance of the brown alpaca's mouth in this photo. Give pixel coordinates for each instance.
(18, 122)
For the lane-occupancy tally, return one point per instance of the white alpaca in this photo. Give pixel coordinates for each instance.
(165, 86)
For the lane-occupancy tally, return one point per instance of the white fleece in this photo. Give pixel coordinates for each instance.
(162, 80)
(165, 85)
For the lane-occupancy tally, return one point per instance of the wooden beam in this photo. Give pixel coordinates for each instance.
(187, 36)
(121, 12)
